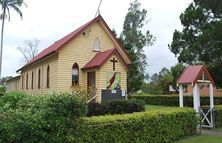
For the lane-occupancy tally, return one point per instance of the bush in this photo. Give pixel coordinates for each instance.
(10, 100)
(94, 109)
(173, 100)
(46, 118)
(115, 107)
(218, 116)
(151, 127)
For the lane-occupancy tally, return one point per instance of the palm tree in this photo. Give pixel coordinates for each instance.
(6, 6)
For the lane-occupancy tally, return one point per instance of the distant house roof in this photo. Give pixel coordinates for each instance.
(60, 43)
(14, 78)
(192, 73)
(100, 58)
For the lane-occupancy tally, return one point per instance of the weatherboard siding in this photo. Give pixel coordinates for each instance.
(108, 67)
(42, 65)
(80, 51)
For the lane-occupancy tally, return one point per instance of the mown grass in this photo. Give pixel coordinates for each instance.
(158, 107)
(202, 139)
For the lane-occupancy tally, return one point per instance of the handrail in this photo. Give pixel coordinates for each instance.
(91, 99)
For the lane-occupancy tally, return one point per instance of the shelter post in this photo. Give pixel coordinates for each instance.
(211, 96)
(196, 97)
(181, 95)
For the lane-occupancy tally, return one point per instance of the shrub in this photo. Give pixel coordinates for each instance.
(151, 127)
(66, 105)
(173, 100)
(218, 116)
(46, 118)
(10, 100)
(94, 109)
(115, 107)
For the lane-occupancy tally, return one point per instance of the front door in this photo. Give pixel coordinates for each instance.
(91, 83)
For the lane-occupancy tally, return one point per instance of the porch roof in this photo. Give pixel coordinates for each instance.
(191, 74)
(100, 58)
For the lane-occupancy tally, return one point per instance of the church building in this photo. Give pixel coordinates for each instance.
(90, 57)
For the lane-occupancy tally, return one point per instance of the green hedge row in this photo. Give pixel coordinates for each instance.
(150, 127)
(115, 107)
(218, 116)
(173, 100)
(46, 118)
(60, 118)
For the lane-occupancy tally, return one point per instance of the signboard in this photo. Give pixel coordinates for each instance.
(113, 80)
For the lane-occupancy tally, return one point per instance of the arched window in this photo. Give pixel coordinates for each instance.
(27, 81)
(39, 79)
(96, 44)
(47, 77)
(75, 74)
(22, 81)
(32, 84)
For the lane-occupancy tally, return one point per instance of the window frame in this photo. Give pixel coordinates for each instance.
(27, 81)
(47, 77)
(94, 42)
(32, 84)
(75, 65)
(39, 78)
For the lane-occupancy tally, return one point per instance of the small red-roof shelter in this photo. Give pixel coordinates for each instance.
(196, 76)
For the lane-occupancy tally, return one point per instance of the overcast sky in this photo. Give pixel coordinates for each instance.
(50, 20)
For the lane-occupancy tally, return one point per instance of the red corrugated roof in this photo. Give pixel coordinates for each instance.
(100, 58)
(59, 44)
(192, 73)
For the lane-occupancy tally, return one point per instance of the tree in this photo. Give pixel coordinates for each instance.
(31, 49)
(165, 80)
(134, 41)
(176, 71)
(6, 6)
(4, 80)
(201, 37)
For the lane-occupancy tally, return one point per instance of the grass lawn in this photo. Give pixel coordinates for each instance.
(202, 139)
(158, 107)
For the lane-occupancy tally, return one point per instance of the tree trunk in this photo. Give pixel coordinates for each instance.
(1, 50)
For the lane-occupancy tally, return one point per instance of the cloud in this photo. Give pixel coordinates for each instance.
(50, 20)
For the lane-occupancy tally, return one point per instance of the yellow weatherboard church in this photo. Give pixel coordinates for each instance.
(90, 57)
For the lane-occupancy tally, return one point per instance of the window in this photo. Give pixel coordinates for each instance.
(47, 77)
(96, 46)
(22, 82)
(75, 74)
(39, 78)
(27, 80)
(32, 80)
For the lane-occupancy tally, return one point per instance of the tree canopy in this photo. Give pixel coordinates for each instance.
(30, 50)
(200, 41)
(134, 39)
(7, 5)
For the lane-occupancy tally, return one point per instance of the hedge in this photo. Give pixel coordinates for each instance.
(46, 118)
(151, 127)
(218, 116)
(173, 100)
(115, 107)
(60, 118)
